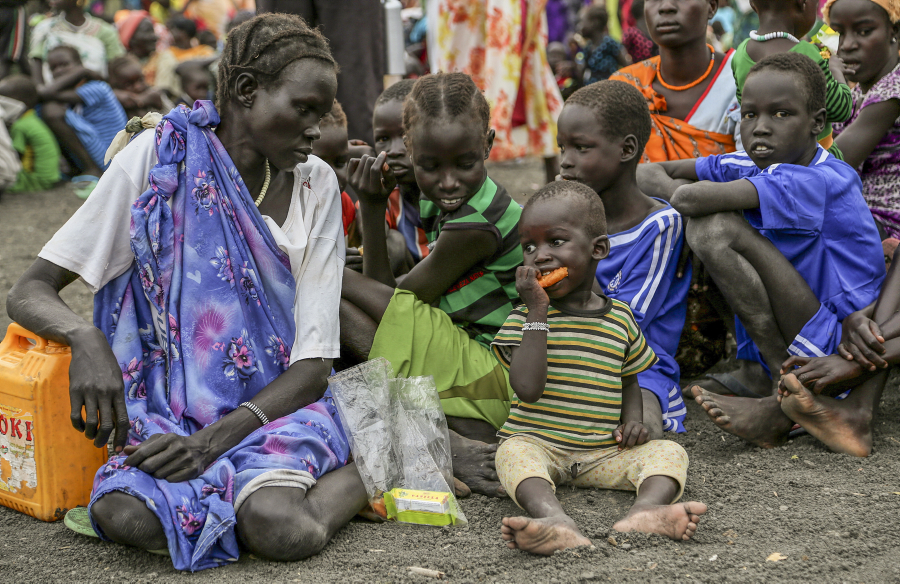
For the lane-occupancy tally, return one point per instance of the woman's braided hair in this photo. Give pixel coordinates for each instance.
(264, 46)
(450, 95)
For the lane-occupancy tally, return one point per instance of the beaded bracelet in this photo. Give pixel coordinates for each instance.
(255, 409)
(536, 326)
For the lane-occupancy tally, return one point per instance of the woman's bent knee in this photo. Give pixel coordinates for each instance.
(127, 520)
(276, 531)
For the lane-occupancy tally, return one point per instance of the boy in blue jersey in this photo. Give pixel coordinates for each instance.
(783, 230)
(82, 111)
(603, 129)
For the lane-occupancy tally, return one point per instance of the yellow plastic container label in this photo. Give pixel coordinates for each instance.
(18, 471)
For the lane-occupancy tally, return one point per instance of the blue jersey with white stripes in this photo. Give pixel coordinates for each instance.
(640, 270)
(104, 113)
(816, 216)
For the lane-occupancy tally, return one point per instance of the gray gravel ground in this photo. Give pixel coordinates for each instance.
(833, 517)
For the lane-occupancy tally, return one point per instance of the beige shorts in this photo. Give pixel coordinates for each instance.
(523, 457)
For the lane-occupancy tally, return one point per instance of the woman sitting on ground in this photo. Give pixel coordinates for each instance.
(223, 318)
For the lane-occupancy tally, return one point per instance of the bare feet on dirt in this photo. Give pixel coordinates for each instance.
(541, 536)
(750, 374)
(758, 421)
(473, 464)
(678, 521)
(841, 428)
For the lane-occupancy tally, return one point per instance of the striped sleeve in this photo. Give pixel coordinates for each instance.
(650, 268)
(92, 93)
(640, 356)
(838, 99)
(509, 335)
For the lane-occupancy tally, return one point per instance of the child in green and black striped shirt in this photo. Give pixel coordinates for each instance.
(573, 359)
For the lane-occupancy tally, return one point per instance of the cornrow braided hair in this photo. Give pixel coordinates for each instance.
(396, 92)
(265, 45)
(336, 117)
(450, 95)
(594, 218)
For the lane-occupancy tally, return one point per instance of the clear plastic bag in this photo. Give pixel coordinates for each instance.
(400, 442)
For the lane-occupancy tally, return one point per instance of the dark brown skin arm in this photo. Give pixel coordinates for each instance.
(454, 253)
(861, 137)
(663, 178)
(57, 89)
(95, 379)
(705, 197)
(631, 430)
(632, 400)
(37, 72)
(179, 458)
(528, 365)
(95, 383)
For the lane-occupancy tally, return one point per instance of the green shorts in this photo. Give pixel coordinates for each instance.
(421, 340)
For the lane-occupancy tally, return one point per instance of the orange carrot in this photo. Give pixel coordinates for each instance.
(553, 277)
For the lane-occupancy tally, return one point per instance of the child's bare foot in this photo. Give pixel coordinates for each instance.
(838, 426)
(758, 421)
(678, 521)
(541, 536)
(473, 464)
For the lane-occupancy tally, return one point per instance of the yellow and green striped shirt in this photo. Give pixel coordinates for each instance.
(588, 353)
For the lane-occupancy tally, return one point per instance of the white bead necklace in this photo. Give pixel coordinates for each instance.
(265, 187)
(761, 38)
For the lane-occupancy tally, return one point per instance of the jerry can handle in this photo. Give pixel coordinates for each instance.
(16, 333)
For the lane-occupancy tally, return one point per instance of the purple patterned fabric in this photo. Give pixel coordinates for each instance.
(202, 322)
(880, 172)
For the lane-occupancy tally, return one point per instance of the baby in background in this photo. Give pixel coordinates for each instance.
(573, 359)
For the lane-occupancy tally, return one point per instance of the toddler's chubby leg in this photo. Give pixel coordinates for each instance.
(658, 471)
(524, 468)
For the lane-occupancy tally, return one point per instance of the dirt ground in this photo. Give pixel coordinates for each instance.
(832, 518)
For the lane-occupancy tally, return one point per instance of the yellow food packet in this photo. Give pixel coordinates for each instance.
(421, 507)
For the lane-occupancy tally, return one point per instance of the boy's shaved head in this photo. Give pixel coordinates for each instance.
(802, 68)
(335, 118)
(593, 220)
(619, 108)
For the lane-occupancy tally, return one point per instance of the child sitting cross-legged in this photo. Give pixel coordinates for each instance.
(441, 318)
(603, 130)
(785, 234)
(573, 358)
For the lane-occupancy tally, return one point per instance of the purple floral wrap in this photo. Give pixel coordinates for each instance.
(201, 323)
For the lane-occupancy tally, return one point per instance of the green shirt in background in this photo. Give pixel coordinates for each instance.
(838, 101)
(484, 296)
(38, 151)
